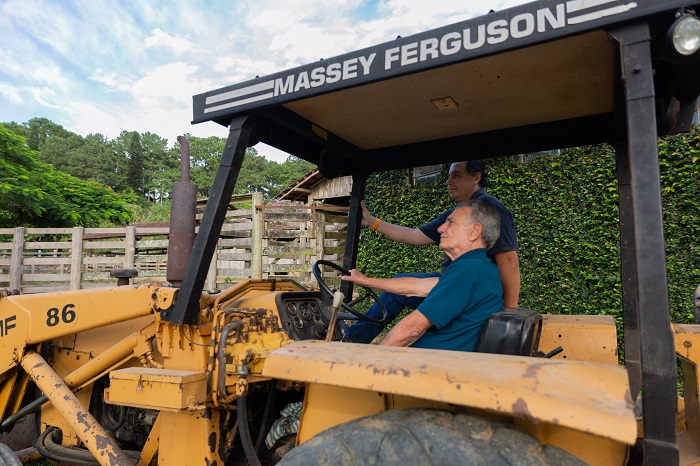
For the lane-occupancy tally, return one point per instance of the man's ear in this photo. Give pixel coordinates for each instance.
(475, 230)
(477, 177)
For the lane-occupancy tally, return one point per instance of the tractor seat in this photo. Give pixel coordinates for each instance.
(515, 331)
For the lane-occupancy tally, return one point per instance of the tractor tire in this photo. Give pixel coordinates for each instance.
(426, 437)
(8, 457)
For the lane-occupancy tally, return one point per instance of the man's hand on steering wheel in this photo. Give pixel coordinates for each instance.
(356, 277)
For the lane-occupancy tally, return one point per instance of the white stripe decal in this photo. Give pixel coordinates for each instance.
(266, 86)
(601, 13)
(578, 5)
(239, 102)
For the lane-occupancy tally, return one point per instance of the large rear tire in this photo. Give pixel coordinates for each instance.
(426, 437)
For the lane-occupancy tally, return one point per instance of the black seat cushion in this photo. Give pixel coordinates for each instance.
(514, 331)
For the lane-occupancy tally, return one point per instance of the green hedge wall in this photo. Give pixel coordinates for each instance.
(567, 218)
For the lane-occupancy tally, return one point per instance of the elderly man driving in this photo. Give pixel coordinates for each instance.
(468, 292)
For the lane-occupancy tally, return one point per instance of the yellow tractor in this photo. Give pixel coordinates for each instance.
(177, 375)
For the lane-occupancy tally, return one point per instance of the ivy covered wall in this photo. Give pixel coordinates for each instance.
(566, 214)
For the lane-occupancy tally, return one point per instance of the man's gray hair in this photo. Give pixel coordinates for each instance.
(487, 216)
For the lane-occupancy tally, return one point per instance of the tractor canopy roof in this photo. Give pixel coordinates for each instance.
(540, 76)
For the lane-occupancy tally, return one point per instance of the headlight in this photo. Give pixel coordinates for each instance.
(684, 35)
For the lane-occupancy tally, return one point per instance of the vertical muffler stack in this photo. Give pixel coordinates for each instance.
(183, 217)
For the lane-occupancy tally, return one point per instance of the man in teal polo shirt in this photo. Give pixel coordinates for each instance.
(468, 292)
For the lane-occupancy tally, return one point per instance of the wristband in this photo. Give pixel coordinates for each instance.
(376, 224)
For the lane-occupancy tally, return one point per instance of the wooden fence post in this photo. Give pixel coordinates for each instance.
(17, 258)
(76, 261)
(130, 248)
(320, 233)
(256, 250)
(213, 272)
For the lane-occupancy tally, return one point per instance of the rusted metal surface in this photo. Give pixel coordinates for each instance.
(592, 398)
(90, 432)
(183, 218)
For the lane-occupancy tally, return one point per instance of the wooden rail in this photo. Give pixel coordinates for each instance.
(256, 241)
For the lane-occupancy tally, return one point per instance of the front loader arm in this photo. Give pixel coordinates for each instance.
(32, 319)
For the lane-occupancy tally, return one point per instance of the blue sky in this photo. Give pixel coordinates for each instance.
(98, 66)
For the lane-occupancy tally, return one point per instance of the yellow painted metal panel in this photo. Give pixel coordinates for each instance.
(191, 438)
(584, 338)
(157, 388)
(592, 398)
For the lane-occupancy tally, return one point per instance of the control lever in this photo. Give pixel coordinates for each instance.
(338, 298)
(552, 353)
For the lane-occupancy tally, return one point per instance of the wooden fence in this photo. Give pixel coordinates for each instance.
(256, 241)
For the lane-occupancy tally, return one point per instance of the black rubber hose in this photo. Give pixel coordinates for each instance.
(39, 444)
(267, 414)
(221, 356)
(244, 431)
(47, 446)
(10, 421)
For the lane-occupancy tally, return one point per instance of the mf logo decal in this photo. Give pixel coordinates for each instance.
(7, 324)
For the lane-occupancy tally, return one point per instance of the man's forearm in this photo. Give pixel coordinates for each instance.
(401, 234)
(407, 331)
(405, 286)
(509, 270)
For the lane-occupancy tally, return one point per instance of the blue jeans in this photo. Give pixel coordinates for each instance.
(364, 332)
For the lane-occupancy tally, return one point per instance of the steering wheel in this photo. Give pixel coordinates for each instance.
(349, 306)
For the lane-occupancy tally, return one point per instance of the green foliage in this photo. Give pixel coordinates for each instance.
(151, 212)
(35, 194)
(390, 198)
(141, 167)
(567, 217)
(257, 173)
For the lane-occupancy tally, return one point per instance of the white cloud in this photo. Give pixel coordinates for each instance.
(12, 93)
(107, 66)
(112, 80)
(158, 38)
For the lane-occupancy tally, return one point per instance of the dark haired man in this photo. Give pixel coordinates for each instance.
(466, 294)
(466, 181)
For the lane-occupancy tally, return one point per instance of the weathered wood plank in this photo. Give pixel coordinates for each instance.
(115, 231)
(287, 250)
(284, 217)
(151, 231)
(288, 234)
(52, 288)
(45, 261)
(119, 244)
(233, 273)
(151, 243)
(104, 276)
(47, 245)
(238, 226)
(334, 250)
(150, 258)
(48, 231)
(45, 277)
(286, 267)
(336, 218)
(236, 242)
(335, 235)
(97, 260)
(256, 238)
(235, 256)
(17, 253)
